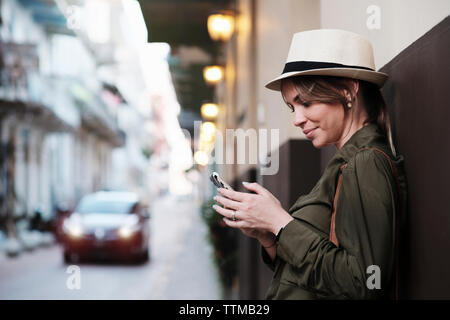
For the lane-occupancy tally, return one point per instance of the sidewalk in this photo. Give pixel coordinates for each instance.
(189, 272)
(28, 241)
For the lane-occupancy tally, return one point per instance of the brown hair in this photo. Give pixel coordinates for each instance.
(329, 89)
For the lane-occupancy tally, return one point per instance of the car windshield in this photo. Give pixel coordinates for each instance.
(89, 205)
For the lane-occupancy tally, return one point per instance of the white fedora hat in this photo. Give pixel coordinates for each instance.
(330, 52)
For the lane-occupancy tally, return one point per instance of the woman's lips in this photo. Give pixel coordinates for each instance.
(310, 133)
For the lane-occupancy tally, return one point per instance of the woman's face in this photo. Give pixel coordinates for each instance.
(327, 120)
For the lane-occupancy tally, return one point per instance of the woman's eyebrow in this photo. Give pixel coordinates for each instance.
(296, 98)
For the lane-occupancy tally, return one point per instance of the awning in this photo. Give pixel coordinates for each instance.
(48, 15)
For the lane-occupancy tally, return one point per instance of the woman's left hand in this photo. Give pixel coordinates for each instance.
(260, 211)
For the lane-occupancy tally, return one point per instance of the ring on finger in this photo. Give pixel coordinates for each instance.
(233, 216)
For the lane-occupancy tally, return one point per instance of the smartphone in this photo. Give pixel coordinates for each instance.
(218, 181)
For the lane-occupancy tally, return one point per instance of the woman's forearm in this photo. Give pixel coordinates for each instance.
(269, 244)
(268, 239)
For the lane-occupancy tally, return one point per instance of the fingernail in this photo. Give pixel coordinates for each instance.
(214, 206)
(214, 197)
(244, 182)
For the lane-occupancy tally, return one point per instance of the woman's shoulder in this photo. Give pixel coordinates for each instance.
(376, 164)
(375, 169)
(374, 154)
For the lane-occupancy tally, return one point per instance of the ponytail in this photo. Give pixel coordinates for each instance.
(376, 109)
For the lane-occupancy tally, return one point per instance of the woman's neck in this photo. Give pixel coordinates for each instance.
(353, 126)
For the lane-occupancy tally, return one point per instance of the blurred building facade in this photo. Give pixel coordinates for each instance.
(73, 114)
(256, 53)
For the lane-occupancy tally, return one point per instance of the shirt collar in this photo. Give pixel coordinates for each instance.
(368, 136)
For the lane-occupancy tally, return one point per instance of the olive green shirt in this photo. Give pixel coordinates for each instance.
(307, 264)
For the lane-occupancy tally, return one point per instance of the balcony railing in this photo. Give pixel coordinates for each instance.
(68, 98)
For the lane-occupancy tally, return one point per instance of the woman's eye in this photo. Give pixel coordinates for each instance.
(307, 104)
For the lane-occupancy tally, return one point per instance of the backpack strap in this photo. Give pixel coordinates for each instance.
(333, 237)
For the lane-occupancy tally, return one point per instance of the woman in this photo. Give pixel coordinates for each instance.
(338, 241)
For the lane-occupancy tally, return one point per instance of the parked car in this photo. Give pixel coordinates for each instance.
(107, 224)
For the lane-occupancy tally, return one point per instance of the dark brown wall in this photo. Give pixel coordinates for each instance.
(326, 153)
(299, 171)
(418, 95)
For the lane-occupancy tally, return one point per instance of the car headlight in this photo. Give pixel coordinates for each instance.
(73, 229)
(128, 230)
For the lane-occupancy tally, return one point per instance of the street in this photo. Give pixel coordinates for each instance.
(180, 266)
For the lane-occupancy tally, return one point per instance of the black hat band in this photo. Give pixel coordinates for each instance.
(298, 66)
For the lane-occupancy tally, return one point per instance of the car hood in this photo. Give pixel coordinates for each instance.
(105, 220)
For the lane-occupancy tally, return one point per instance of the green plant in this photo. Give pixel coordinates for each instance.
(224, 242)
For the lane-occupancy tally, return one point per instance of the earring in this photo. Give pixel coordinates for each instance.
(349, 104)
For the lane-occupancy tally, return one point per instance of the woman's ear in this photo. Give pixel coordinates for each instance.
(354, 88)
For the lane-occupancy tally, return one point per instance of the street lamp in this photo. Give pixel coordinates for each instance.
(209, 110)
(213, 74)
(221, 26)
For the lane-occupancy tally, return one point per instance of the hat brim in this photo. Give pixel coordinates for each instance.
(378, 78)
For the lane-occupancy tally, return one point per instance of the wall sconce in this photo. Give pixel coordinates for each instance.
(207, 131)
(221, 26)
(209, 111)
(213, 74)
(201, 157)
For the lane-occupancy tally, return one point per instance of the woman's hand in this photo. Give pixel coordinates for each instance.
(266, 238)
(256, 214)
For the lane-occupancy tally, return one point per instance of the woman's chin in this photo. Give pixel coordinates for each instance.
(317, 143)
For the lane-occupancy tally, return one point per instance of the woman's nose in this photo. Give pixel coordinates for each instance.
(299, 117)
